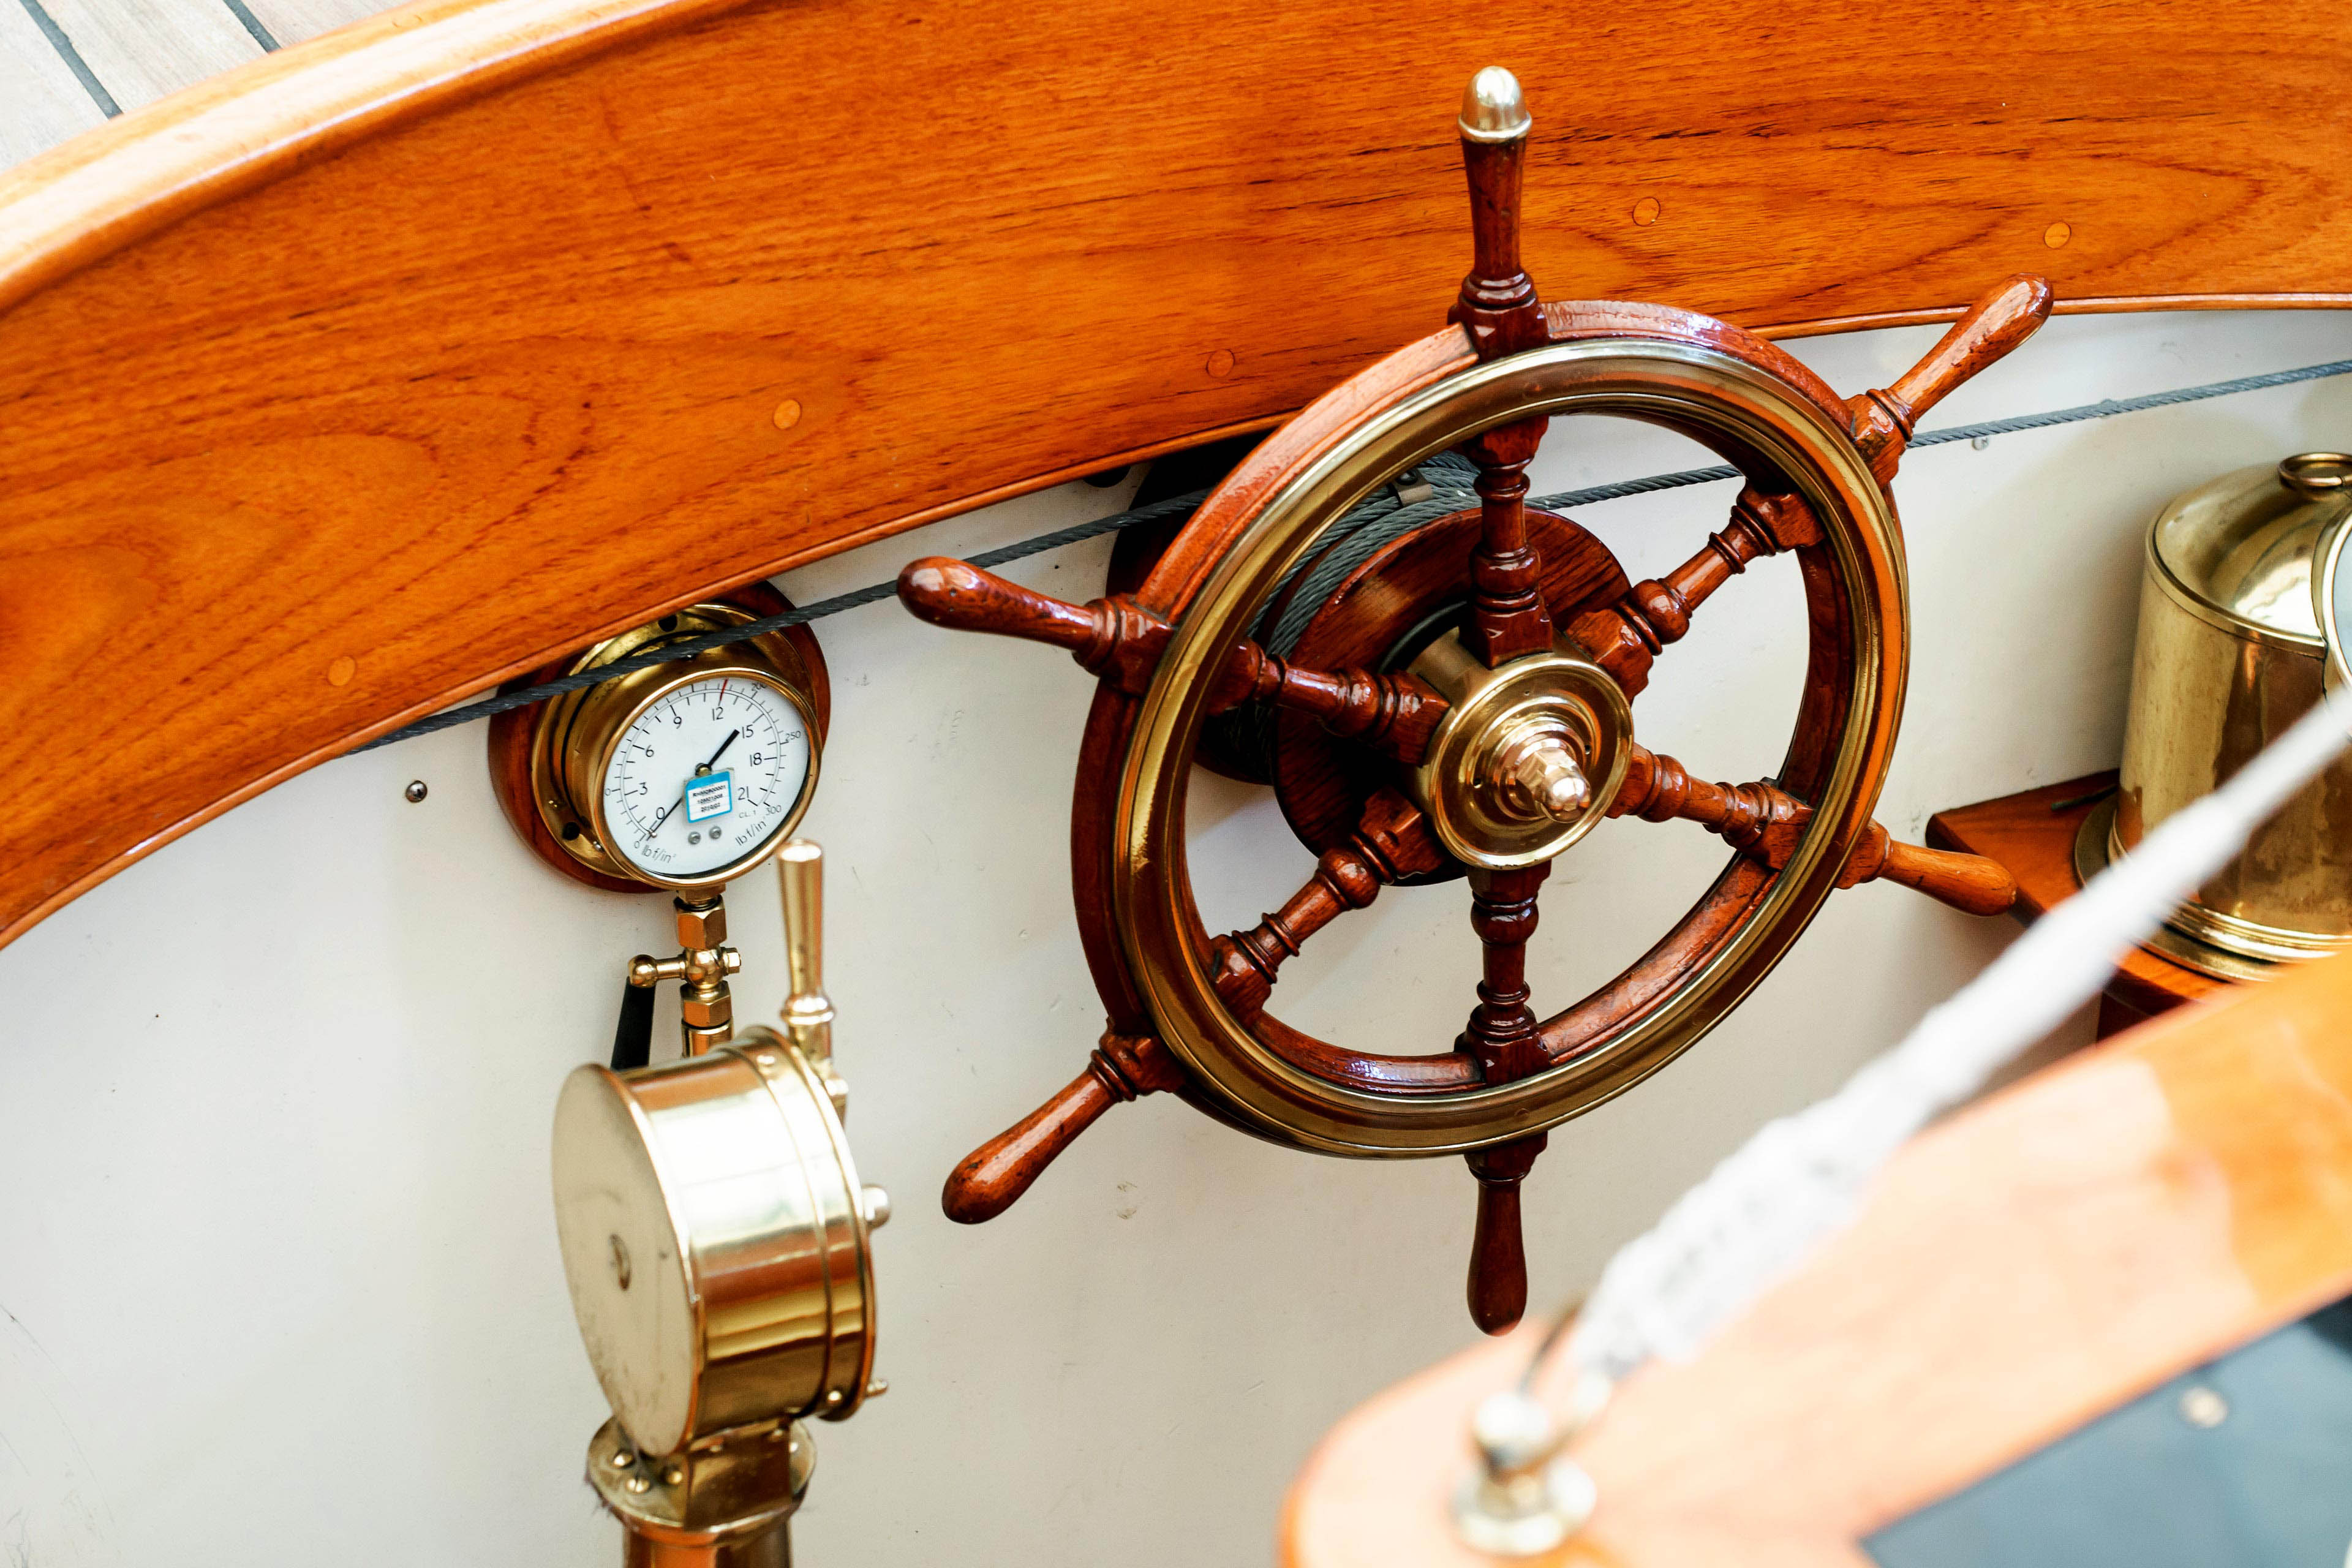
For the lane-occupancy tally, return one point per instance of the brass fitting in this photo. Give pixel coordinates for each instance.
(1536, 773)
(706, 1010)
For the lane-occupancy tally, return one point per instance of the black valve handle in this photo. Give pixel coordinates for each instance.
(633, 1041)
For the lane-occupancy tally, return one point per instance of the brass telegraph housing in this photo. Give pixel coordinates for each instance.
(718, 1245)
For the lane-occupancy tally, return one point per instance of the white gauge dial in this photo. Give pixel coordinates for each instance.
(707, 774)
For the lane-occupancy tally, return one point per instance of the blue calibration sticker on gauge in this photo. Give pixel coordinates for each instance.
(711, 796)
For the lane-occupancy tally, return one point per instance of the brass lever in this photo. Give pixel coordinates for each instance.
(807, 1010)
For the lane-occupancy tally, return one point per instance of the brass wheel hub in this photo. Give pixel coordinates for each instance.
(1527, 758)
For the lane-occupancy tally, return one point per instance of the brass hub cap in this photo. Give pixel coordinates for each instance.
(1529, 757)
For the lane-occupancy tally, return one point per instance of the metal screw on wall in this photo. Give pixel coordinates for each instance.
(416, 790)
(2204, 1407)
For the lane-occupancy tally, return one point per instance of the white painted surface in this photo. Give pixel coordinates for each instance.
(277, 1263)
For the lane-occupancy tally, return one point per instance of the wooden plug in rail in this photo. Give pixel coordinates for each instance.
(1765, 821)
(1120, 642)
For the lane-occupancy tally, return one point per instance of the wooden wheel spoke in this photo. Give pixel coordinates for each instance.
(1503, 1038)
(1765, 822)
(1507, 617)
(1120, 641)
(1122, 1068)
(1624, 638)
(1395, 841)
(1883, 420)
(1394, 714)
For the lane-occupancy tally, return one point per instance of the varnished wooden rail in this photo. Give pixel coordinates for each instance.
(393, 363)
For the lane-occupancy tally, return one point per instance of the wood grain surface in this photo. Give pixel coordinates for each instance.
(390, 364)
(2031, 1262)
(2032, 834)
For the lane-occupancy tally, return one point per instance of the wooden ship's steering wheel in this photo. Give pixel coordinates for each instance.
(1460, 703)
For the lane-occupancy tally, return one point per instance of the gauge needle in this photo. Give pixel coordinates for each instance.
(705, 768)
(720, 753)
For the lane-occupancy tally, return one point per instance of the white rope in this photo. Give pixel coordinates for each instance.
(1801, 1179)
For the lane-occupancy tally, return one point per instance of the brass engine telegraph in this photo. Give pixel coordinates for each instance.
(679, 776)
(717, 1241)
(1457, 702)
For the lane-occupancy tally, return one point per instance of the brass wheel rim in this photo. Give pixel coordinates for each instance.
(1703, 392)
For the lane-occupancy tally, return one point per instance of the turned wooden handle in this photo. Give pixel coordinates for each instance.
(1884, 420)
(1498, 1260)
(1968, 883)
(1995, 324)
(1498, 1256)
(950, 593)
(997, 1172)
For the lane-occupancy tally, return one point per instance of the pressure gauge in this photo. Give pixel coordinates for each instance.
(681, 776)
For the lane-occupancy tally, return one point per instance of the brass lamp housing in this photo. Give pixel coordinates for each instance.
(574, 737)
(2229, 654)
(717, 1241)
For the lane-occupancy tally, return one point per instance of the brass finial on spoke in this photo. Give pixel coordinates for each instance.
(1493, 108)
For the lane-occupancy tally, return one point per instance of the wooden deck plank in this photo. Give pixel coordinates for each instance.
(41, 103)
(291, 21)
(142, 49)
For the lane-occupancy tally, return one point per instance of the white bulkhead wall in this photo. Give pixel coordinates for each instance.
(276, 1256)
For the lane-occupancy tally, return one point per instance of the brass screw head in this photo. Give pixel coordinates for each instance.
(2204, 1407)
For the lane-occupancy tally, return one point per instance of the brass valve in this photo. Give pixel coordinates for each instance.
(807, 1010)
(705, 1009)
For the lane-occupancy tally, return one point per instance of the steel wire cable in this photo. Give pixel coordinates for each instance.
(1353, 531)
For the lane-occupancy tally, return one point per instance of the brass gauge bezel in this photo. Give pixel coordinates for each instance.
(550, 762)
(579, 764)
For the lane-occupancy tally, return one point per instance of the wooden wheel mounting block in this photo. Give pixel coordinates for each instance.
(1492, 747)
